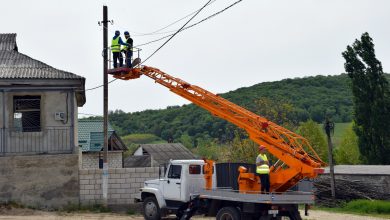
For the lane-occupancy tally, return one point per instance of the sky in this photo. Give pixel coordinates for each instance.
(252, 42)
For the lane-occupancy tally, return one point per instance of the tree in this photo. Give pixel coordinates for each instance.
(371, 100)
(348, 151)
(207, 148)
(242, 150)
(280, 112)
(186, 140)
(312, 132)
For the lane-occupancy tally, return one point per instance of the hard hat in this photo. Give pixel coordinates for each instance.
(117, 32)
(261, 147)
(126, 33)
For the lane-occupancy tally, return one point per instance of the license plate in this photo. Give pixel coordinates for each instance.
(273, 212)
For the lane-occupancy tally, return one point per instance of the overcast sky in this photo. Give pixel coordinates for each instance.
(254, 41)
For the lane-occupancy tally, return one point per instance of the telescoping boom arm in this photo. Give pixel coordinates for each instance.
(298, 159)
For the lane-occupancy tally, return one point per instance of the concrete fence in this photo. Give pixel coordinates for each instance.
(42, 181)
(123, 184)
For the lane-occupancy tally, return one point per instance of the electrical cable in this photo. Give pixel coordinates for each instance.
(80, 113)
(192, 25)
(176, 32)
(172, 35)
(165, 27)
(138, 34)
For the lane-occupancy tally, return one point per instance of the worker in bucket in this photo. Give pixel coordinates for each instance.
(116, 49)
(128, 50)
(262, 168)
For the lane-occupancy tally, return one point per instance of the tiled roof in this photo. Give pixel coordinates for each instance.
(15, 65)
(162, 153)
(90, 134)
(361, 169)
(8, 42)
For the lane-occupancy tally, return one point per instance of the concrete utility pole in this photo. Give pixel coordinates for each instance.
(329, 128)
(105, 106)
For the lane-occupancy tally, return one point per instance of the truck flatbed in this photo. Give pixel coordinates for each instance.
(290, 197)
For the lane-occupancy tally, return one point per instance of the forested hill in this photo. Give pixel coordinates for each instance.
(309, 97)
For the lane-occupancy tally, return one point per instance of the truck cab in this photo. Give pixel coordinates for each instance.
(177, 182)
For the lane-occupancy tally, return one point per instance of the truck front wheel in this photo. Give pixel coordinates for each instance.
(151, 209)
(228, 213)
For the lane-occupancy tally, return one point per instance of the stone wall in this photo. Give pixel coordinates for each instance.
(41, 181)
(90, 160)
(123, 184)
(353, 186)
(377, 183)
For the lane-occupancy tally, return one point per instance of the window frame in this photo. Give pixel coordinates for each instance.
(195, 167)
(30, 112)
(171, 171)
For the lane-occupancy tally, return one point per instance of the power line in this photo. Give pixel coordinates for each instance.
(80, 113)
(192, 25)
(177, 31)
(96, 87)
(172, 35)
(139, 34)
(165, 27)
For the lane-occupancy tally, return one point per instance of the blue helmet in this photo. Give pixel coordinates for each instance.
(117, 33)
(126, 33)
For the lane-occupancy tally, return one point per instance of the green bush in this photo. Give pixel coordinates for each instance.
(368, 206)
(142, 139)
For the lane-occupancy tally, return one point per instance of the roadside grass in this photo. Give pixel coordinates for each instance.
(378, 208)
(11, 204)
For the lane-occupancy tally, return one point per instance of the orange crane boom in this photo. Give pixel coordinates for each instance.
(299, 160)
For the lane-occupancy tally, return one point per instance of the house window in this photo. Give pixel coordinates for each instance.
(174, 172)
(27, 113)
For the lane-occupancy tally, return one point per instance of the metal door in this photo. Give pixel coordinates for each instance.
(172, 183)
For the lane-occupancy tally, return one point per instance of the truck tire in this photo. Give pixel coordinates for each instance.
(228, 213)
(151, 209)
(294, 215)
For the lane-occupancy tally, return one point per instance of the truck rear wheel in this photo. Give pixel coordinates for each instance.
(228, 213)
(294, 215)
(151, 209)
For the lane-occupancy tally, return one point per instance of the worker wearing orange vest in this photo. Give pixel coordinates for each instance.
(262, 169)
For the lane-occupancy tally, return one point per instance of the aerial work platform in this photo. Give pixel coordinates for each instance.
(127, 73)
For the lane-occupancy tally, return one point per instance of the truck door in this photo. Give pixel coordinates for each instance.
(172, 185)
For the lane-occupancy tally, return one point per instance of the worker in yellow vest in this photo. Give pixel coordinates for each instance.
(116, 49)
(262, 169)
(128, 50)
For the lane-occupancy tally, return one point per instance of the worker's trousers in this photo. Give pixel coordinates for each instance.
(129, 54)
(264, 178)
(117, 56)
